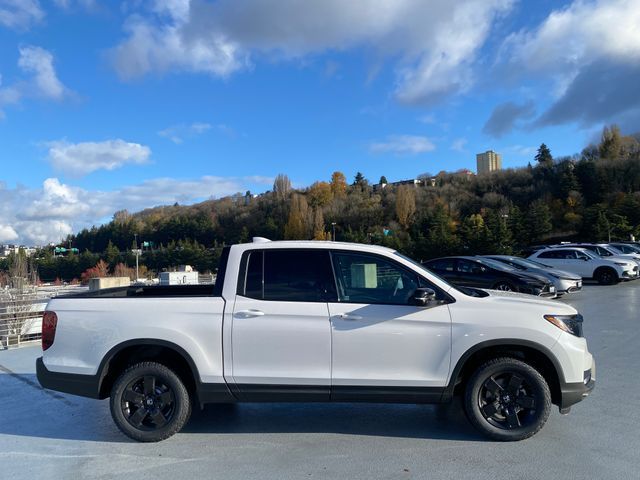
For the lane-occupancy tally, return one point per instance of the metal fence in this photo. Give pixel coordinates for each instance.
(21, 313)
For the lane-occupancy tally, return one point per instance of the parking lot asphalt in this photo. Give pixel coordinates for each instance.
(45, 435)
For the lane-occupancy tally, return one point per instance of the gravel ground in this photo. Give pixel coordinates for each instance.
(44, 434)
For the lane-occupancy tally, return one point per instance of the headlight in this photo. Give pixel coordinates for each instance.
(569, 323)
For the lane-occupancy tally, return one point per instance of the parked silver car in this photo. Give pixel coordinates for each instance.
(565, 282)
(606, 251)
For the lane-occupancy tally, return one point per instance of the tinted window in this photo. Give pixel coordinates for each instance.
(465, 266)
(443, 265)
(373, 279)
(298, 276)
(551, 254)
(254, 275)
(289, 276)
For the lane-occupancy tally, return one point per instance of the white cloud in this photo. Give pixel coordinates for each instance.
(520, 150)
(47, 214)
(458, 145)
(20, 14)
(40, 79)
(177, 133)
(78, 159)
(434, 43)
(7, 233)
(39, 62)
(579, 34)
(590, 50)
(403, 145)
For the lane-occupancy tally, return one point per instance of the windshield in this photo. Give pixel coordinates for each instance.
(628, 248)
(589, 253)
(489, 262)
(614, 250)
(422, 267)
(525, 263)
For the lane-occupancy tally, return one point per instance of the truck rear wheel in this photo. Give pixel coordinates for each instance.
(507, 399)
(149, 402)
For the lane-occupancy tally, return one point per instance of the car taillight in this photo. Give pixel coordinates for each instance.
(49, 324)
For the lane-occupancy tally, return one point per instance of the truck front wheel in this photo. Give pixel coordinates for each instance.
(149, 402)
(507, 399)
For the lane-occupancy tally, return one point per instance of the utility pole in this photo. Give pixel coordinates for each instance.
(137, 252)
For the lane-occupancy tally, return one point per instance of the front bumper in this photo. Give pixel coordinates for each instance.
(565, 285)
(572, 393)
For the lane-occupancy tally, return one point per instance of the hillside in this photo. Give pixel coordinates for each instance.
(591, 196)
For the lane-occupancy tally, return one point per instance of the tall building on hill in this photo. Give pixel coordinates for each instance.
(488, 161)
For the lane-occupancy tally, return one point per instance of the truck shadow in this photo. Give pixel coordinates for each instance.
(28, 410)
(386, 420)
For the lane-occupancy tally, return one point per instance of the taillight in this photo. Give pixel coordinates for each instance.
(49, 324)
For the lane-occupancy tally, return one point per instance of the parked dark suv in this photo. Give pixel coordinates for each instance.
(486, 273)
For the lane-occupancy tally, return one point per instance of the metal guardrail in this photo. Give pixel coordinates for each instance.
(21, 313)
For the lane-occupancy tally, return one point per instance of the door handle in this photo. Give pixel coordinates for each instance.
(349, 316)
(249, 313)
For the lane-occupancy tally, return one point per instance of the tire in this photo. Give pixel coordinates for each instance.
(606, 276)
(507, 399)
(149, 402)
(505, 287)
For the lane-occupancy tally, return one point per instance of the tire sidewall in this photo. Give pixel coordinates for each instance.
(166, 376)
(541, 393)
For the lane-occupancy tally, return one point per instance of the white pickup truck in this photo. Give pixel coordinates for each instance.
(316, 321)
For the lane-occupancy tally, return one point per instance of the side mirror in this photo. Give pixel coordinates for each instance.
(421, 297)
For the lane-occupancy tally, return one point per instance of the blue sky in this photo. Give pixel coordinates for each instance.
(106, 105)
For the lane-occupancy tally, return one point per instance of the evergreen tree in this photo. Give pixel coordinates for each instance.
(543, 157)
(383, 180)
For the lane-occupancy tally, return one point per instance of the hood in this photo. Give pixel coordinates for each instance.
(528, 275)
(514, 299)
(562, 274)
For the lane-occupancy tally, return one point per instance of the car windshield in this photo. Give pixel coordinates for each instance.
(418, 264)
(525, 263)
(589, 253)
(496, 264)
(629, 248)
(614, 250)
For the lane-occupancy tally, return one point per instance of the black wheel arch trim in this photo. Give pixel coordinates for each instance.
(507, 343)
(92, 386)
(206, 392)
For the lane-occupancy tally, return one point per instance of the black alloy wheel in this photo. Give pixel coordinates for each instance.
(507, 399)
(149, 402)
(607, 276)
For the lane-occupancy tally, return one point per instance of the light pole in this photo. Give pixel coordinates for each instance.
(137, 252)
(333, 229)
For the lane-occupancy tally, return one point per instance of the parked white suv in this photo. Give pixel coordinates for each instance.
(587, 264)
(316, 321)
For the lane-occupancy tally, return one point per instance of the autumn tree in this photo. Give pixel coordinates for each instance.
(319, 194)
(338, 184)
(319, 232)
(282, 186)
(610, 143)
(405, 205)
(296, 227)
(100, 270)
